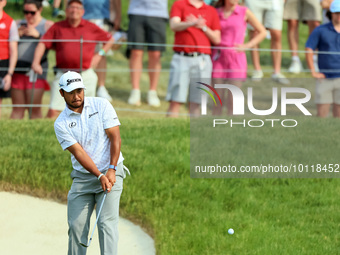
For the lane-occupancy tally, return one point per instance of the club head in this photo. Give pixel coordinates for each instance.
(84, 245)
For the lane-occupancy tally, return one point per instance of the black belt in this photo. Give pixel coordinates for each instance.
(189, 54)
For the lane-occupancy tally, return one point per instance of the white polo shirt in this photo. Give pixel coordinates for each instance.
(88, 129)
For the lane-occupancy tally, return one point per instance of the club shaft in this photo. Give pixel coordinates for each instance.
(95, 224)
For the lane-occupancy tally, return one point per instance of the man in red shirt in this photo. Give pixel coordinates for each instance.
(64, 37)
(196, 26)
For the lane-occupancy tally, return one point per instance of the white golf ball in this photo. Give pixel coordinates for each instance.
(230, 231)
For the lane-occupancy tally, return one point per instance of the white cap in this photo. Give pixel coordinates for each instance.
(70, 81)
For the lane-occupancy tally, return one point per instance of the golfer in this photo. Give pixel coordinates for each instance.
(89, 128)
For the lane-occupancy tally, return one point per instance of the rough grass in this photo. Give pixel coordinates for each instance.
(185, 215)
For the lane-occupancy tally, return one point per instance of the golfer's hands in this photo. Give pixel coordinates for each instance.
(106, 184)
(111, 176)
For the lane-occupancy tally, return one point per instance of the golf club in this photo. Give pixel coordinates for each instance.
(94, 227)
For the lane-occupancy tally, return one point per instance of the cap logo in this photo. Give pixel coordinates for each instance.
(69, 81)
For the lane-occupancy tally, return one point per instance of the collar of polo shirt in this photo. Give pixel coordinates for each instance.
(69, 112)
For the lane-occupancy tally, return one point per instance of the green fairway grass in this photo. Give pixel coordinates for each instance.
(185, 215)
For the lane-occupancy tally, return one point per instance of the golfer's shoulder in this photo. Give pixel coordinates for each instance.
(98, 102)
(60, 121)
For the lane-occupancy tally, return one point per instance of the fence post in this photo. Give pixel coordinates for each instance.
(81, 54)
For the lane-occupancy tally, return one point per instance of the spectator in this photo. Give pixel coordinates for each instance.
(68, 52)
(32, 27)
(100, 12)
(308, 11)
(269, 13)
(148, 20)
(326, 38)
(57, 13)
(230, 65)
(196, 25)
(8, 51)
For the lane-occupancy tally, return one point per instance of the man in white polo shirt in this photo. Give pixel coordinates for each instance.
(89, 128)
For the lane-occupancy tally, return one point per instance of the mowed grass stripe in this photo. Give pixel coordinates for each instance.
(189, 216)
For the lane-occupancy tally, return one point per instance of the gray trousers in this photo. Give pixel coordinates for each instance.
(85, 193)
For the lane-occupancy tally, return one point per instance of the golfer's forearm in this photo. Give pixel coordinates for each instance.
(115, 144)
(84, 159)
(87, 163)
(115, 151)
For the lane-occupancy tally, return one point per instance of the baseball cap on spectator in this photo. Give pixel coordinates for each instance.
(70, 81)
(335, 6)
(71, 1)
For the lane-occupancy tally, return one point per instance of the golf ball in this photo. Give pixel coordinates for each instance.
(230, 231)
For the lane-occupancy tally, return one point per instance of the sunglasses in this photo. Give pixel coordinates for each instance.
(29, 12)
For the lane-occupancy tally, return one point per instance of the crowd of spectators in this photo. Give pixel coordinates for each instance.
(197, 24)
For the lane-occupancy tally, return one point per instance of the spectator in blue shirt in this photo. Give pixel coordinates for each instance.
(107, 15)
(326, 38)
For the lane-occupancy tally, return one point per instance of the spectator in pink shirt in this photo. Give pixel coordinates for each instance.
(230, 65)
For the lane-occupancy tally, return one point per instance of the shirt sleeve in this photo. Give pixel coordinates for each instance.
(313, 39)
(110, 118)
(49, 36)
(100, 34)
(215, 20)
(13, 32)
(64, 137)
(176, 11)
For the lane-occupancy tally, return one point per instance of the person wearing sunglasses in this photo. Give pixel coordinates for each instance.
(8, 51)
(65, 38)
(31, 28)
